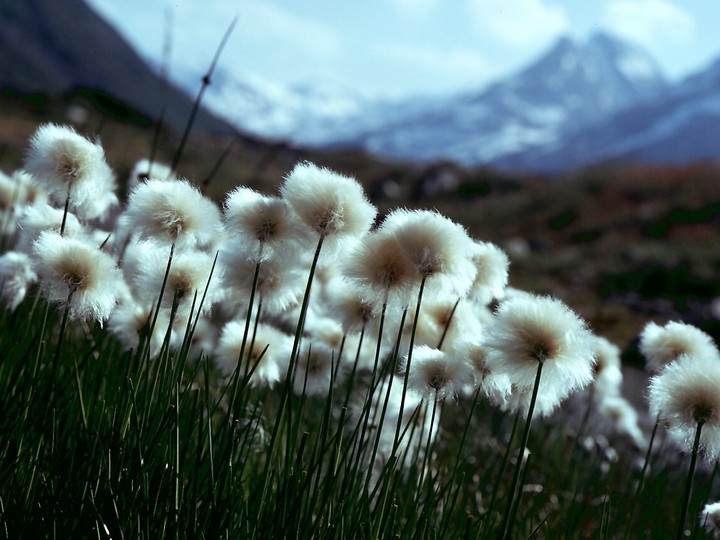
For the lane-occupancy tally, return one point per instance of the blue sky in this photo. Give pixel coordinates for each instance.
(406, 47)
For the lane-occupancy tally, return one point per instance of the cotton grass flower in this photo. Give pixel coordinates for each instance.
(623, 418)
(69, 166)
(173, 212)
(492, 273)
(316, 364)
(190, 274)
(710, 519)
(267, 358)
(330, 204)
(16, 276)
(279, 285)
(380, 268)
(435, 375)
(530, 330)
(685, 394)
(261, 226)
(78, 276)
(439, 249)
(494, 386)
(41, 217)
(131, 320)
(661, 345)
(145, 169)
(608, 375)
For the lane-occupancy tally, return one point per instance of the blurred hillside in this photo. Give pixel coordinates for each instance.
(622, 245)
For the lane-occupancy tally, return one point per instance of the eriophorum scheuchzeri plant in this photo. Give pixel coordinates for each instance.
(281, 365)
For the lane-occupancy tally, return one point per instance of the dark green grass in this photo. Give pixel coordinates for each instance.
(119, 445)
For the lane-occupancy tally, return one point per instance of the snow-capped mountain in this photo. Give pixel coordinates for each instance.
(568, 88)
(571, 86)
(680, 126)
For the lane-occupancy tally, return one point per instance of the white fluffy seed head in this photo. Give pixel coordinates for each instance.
(661, 345)
(381, 269)
(267, 355)
(684, 394)
(262, 226)
(190, 273)
(314, 369)
(710, 518)
(280, 283)
(16, 276)
(172, 211)
(533, 329)
(494, 386)
(331, 204)
(608, 375)
(131, 319)
(145, 169)
(73, 271)
(62, 162)
(439, 249)
(43, 217)
(623, 418)
(492, 273)
(435, 375)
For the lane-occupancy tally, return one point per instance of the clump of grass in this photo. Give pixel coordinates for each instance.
(288, 368)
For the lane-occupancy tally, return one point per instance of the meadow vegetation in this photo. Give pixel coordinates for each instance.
(262, 350)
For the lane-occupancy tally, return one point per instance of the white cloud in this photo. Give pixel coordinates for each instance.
(261, 27)
(519, 23)
(415, 8)
(455, 64)
(650, 22)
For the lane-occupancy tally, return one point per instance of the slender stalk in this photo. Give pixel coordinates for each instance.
(507, 525)
(408, 364)
(198, 99)
(641, 482)
(689, 483)
(65, 211)
(447, 325)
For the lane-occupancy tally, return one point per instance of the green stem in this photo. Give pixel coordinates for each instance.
(506, 525)
(689, 482)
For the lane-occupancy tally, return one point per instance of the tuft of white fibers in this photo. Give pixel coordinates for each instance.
(16, 276)
(492, 273)
(348, 305)
(145, 169)
(623, 418)
(494, 386)
(19, 190)
(330, 204)
(381, 269)
(439, 249)
(172, 211)
(67, 265)
(455, 319)
(131, 319)
(435, 375)
(42, 217)
(280, 283)
(262, 226)
(268, 354)
(530, 329)
(684, 394)
(190, 273)
(661, 345)
(316, 364)
(62, 161)
(710, 519)
(608, 375)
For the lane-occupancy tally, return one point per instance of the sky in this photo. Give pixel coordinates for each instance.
(400, 48)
